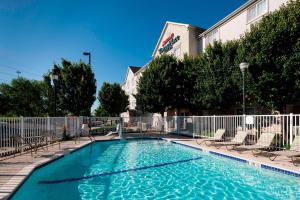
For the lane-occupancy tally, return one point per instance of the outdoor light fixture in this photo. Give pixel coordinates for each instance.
(243, 67)
(54, 77)
(89, 55)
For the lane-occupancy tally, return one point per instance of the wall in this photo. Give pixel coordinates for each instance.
(130, 87)
(236, 26)
(185, 39)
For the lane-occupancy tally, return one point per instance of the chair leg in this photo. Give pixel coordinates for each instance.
(255, 152)
(227, 147)
(294, 161)
(270, 156)
(199, 143)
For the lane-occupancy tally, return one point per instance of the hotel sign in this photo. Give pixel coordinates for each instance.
(168, 43)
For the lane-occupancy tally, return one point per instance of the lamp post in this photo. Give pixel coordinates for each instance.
(54, 78)
(89, 55)
(243, 67)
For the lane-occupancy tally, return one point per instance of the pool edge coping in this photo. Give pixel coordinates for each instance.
(34, 166)
(248, 161)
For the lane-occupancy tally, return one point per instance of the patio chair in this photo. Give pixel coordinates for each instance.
(5, 151)
(293, 152)
(52, 138)
(239, 139)
(22, 144)
(264, 143)
(114, 132)
(218, 137)
(85, 131)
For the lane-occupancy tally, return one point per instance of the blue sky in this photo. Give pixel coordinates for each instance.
(36, 33)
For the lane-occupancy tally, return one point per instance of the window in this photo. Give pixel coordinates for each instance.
(257, 10)
(177, 52)
(212, 36)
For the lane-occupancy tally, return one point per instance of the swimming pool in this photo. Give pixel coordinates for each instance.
(153, 169)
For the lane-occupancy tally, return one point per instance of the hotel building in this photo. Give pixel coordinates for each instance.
(239, 21)
(176, 39)
(179, 39)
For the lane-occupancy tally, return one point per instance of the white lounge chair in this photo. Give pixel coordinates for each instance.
(293, 152)
(114, 132)
(239, 139)
(264, 143)
(218, 137)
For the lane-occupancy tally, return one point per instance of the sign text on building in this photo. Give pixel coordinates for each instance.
(168, 43)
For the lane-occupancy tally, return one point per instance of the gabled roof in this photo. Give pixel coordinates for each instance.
(164, 29)
(134, 69)
(143, 68)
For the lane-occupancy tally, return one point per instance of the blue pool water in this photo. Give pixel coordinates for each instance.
(153, 169)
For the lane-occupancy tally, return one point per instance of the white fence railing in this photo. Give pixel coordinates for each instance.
(32, 127)
(286, 127)
(101, 125)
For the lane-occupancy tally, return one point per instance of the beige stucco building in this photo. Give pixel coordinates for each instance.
(179, 39)
(238, 22)
(176, 39)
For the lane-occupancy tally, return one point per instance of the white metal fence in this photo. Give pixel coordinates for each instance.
(286, 127)
(32, 127)
(101, 125)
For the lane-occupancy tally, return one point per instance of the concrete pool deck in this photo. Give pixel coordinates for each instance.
(14, 170)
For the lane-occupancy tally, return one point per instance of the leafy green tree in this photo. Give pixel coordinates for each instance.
(76, 88)
(272, 48)
(218, 82)
(101, 112)
(4, 103)
(161, 85)
(113, 100)
(22, 97)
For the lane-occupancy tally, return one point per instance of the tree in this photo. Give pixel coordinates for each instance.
(22, 97)
(161, 85)
(218, 82)
(101, 112)
(113, 100)
(272, 48)
(76, 87)
(4, 104)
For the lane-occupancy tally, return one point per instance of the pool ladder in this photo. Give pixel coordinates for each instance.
(92, 138)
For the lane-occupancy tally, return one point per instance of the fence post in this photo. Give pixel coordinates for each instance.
(291, 129)
(214, 123)
(22, 126)
(177, 124)
(79, 120)
(244, 122)
(121, 128)
(48, 124)
(193, 121)
(141, 126)
(66, 122)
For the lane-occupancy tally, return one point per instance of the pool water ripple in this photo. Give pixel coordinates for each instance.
(211, 177)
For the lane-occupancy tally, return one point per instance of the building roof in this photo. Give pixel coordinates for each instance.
(144, 67)
(134, 69)
(174, 23)
(230, 16)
